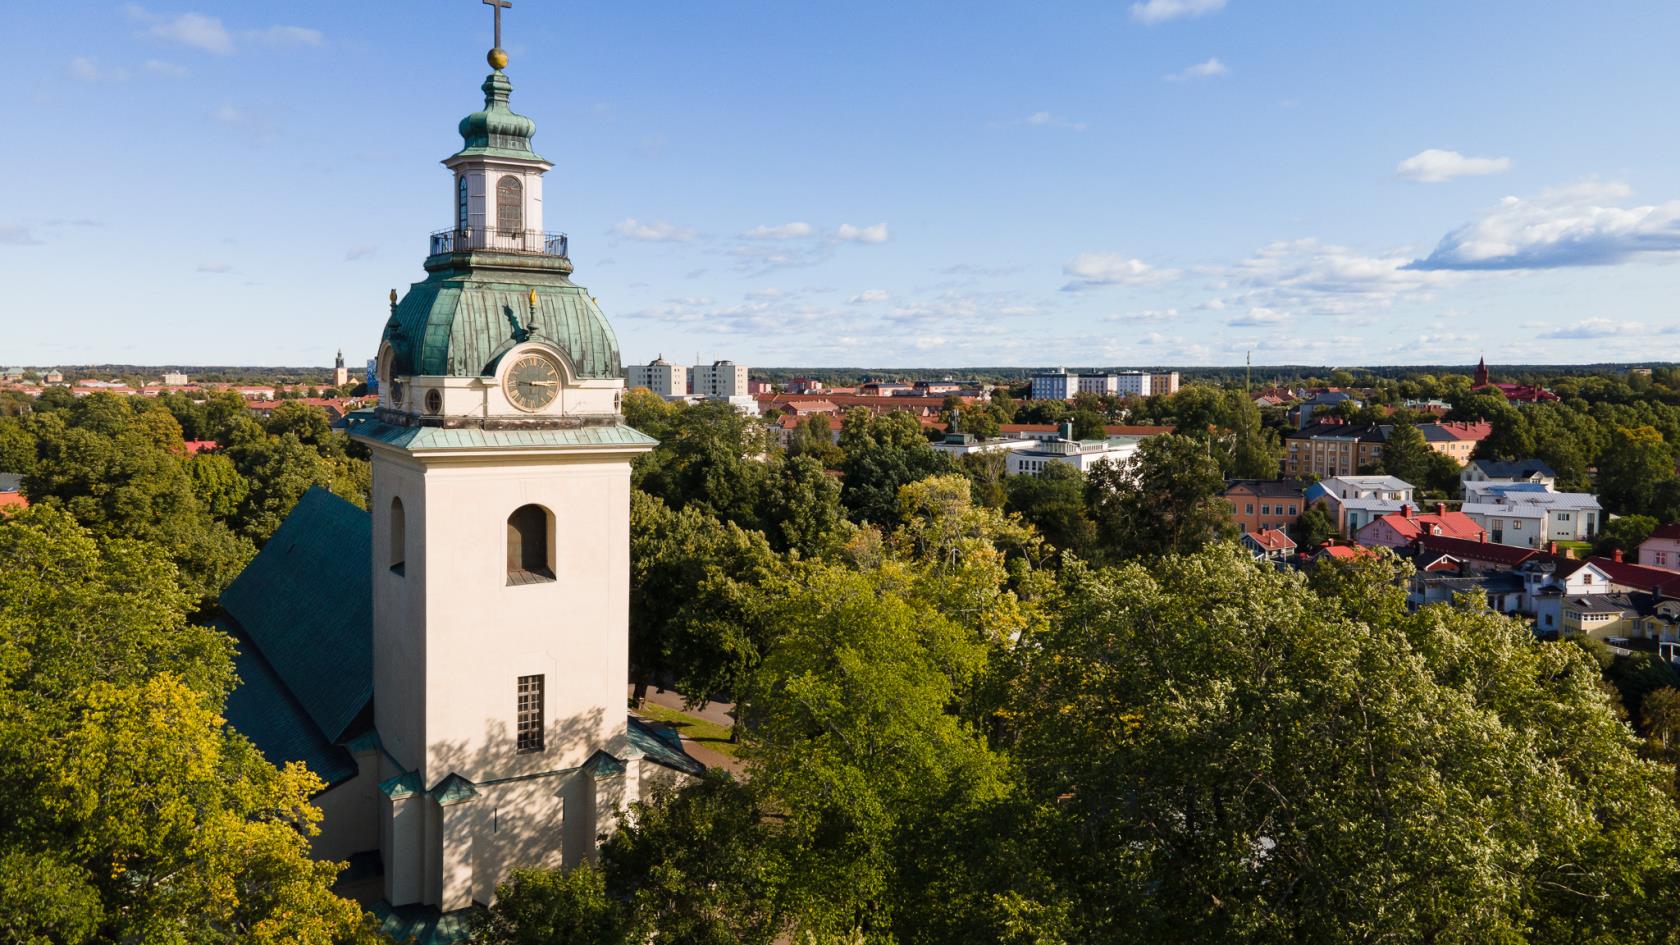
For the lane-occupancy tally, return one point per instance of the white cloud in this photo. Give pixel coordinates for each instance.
(870, 295)
(1146, 315)
(654, 231)
(1435, 166)
(1257, 317)
(1091, 270)
(1306, 277)
(928, 342)
(285, 36)
(169, 69)
(847, 233)
(1159, 11)
(785, 231)
(207, 33)
(1573, 226)
(228, 114)
(1201, 70)
(1047, 120)
(188, 29)
(215, 268)
(1595, 328)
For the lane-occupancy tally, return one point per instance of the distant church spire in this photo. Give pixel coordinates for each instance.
(1481, 372)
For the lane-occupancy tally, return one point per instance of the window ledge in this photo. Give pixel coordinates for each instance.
(398, 569)
(519, 578)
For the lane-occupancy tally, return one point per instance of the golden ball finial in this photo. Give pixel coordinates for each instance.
(497, 58)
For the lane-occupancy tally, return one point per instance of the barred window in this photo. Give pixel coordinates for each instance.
(530, 724)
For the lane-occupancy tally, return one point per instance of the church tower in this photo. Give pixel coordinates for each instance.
(500, 514)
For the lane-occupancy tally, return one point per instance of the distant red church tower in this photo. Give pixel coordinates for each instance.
(1481, 373)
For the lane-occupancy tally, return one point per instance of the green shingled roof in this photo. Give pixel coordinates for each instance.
(460, 320)
(262, 710)
(441, 438)
(306, 603)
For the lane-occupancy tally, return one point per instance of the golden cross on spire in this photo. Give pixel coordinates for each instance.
(499, 6)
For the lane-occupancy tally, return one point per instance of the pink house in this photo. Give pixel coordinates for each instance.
(1662, 549)
(1400, 529)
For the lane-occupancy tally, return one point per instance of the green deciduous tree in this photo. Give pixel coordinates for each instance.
(1054, 502)
(1242, 759)
(1625, 533)
(883, 453)
(1631, 474)
(1405, 454)
(1166, 499)
(548, 906)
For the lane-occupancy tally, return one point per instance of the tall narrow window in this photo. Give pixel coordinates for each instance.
(529, 545)
(510, 206)
(461, 202)
(399, 536)
(530, 724)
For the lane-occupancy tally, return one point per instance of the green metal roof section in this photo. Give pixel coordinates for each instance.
(460, 320)
(263, 711)
(306, 602)
(475, 438)
(496, 131)
(601, 765)
(403, 785)
(664, 746)
(454, 789)
(424, 925)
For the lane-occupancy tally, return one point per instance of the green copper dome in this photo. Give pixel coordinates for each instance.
(497, 131)
(462, 319)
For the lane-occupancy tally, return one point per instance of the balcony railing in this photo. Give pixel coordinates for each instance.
(501, 241)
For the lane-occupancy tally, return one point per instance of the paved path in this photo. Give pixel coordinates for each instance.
(718, 713)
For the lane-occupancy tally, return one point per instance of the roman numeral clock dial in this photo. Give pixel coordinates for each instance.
(532, 383)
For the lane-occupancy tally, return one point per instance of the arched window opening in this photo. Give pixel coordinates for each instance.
(530, 545)
(399, 536)
(510, 206)
(461, 203)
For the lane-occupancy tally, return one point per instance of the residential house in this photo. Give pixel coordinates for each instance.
(1329, 448)
(1600, 616)
(1509, 471)
(1662, 549)
(1455, 439)
(1304, 414)
(1400, 529)
(1261, 504)
(1269, 544)
(1559, 516)
(1354, 501)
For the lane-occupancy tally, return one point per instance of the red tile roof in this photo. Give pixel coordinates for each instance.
(1346, 552)
(199, 446)
(13, 500)
(1637, 576)
(1418, 524)
(1270, 539)
(1112, 429)
(1669, 532)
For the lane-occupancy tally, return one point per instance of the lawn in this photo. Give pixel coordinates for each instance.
(708, 734)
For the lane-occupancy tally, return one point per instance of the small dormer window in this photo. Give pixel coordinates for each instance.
(510, 205)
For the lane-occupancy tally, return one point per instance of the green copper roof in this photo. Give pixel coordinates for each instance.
(497, 131)
(306, 602)
(460, 320)
(452, 789)
(469, 438)
(664, 746)
(263, 711)
(403, 785)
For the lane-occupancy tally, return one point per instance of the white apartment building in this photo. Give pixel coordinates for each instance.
(660, 376)
(1099, 384)
(1132, 384)
(720, 380)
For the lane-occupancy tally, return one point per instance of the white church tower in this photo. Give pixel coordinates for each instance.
(500, 514)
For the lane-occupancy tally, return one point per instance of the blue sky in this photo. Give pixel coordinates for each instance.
(1168, 182)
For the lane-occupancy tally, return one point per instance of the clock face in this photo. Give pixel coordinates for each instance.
(532, 382)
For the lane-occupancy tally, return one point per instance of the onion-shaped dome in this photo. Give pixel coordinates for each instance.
(496, 130)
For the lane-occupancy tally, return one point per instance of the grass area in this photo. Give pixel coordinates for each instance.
(708, 734)
(1582, 549)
